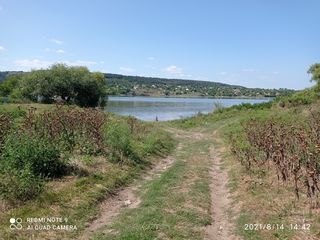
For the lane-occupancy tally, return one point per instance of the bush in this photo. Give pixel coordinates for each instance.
(5, 126)
(287, 143)
(305, 97)
(118, 136)
(14, 113)
(20, 151)
(57, 83)
(157, 142)
(255, 106)
(19, 185)
(69, 128)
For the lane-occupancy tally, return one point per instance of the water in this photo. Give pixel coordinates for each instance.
(150, 108)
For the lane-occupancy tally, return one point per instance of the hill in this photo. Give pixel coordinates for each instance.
(150, 86)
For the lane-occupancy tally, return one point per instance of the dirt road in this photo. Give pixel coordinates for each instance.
(200, 182)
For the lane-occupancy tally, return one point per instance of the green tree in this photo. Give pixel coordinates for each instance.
(315, 71)
(91, 90)
(71, 84)
(9, 84)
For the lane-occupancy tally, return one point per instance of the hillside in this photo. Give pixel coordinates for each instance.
(150, 86)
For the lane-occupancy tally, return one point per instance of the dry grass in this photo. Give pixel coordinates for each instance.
(262, 200)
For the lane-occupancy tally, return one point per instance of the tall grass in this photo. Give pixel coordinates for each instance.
(38, 147)
(289, 146)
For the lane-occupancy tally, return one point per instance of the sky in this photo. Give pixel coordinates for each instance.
(253, 43)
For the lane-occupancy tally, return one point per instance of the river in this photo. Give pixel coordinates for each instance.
(150, 108)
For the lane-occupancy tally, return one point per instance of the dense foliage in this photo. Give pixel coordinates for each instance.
(57, 83)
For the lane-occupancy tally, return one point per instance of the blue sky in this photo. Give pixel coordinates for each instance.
(254, 43)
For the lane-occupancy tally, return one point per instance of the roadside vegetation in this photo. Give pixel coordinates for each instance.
(62, 160)
(285, 140)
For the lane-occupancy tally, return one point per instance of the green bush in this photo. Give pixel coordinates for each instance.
(118, 136)
(305, 97)
(39, 154)
(157, 142)
(14, 113)
(246, 106)
(19, 185)
(5, 126)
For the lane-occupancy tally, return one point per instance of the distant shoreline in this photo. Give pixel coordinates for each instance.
(204, 97)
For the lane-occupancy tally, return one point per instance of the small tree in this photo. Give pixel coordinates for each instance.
(315, 71)
(72, 84)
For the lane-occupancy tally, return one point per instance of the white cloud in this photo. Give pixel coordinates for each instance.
(151, 58)
(56, 41)
(2, 49)
(174, 70)
(80, 63)
(275, 72)
(27, 64)
(47, 49)
(249, 70)
(222, 73)
(32, 63)
(127, 69)
(186, 75)
(61, 51)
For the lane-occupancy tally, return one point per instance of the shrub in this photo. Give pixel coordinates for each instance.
(14, 113)
(39, 154)
(69, 127)
(289, 145)
(5, 126)
(19, 185)
(305, 97)
(157, 142)
(118, 137)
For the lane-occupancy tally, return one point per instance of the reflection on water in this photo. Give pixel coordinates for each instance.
(149, 108)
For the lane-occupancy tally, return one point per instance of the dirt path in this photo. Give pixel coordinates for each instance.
(124, 198)
(222, 227)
